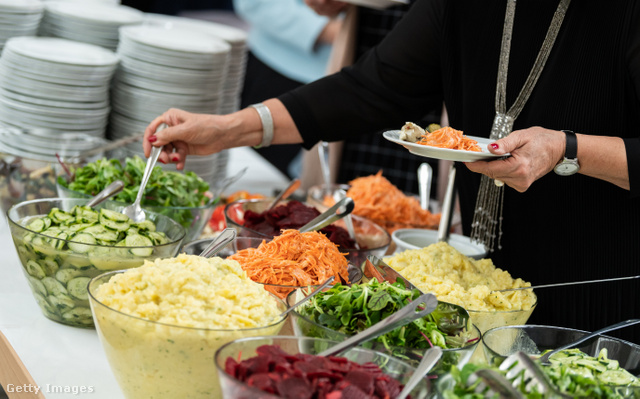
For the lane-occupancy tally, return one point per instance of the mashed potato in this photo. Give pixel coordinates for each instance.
(184, 309)
(191, 291)
(455, 278)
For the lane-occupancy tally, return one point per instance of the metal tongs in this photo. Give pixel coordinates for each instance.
(420, 307)
(341, 209)
(452, 317)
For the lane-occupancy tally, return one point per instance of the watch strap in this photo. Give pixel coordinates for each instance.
(571, 148)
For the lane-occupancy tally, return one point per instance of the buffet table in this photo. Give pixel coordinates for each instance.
(68, 362)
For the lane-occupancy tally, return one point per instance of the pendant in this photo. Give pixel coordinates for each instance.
(502, 126)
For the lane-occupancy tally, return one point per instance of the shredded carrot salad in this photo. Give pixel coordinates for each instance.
(448, 137)
(293, 259)
(378, 199)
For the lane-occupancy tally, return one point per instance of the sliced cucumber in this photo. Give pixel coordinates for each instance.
(53, 286)
(36, 225)
(78, 288)
(145, 225)
(37, 286)
(137, 240)
(65, 275)
(48, 309)
(35, 270)
(50, 265)
(113, 215)
(62, 302)
(78, 315)
(79, 243)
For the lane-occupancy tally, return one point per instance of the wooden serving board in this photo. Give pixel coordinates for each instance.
(14, 373)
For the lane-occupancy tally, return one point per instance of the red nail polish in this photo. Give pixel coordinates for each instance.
(152, 139)
(494, 146)
(175, 158)
(160, 160)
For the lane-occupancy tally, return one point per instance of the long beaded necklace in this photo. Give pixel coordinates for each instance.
(487, 218)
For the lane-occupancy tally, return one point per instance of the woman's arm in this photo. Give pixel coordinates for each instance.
(536, 151)
(203, 134)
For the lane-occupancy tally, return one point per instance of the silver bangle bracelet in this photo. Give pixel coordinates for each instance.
(267, 124)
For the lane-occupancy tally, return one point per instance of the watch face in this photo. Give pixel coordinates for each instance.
(566, 168)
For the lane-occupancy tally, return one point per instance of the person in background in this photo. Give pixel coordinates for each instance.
(571, 199)
(368, 153)
(289, 46)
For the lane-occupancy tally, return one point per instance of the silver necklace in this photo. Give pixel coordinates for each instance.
(487, 218)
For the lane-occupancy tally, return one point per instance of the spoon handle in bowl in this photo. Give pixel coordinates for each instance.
(429, 360)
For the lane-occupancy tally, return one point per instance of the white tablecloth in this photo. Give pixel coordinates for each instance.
(63, 359)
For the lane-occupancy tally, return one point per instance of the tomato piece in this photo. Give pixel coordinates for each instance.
(217, 222)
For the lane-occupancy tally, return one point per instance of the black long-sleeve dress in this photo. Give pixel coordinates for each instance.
(562, 228)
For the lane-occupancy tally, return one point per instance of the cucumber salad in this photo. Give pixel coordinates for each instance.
(62, 251)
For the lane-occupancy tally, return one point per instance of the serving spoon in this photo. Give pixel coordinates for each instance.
(225, 237)
(311, 295)
(429, 360)
(286, 193)
(134, 211)
(108, 192)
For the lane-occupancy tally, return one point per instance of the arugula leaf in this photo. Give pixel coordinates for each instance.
(379, 300)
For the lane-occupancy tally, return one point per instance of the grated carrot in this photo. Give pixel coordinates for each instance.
(448, 137)
(376, 198)
(293, 259)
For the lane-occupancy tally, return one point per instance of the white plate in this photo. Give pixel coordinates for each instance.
(61, 51)
(377, 4)
(234, 36)
(446, 154)
(96, 12)
(175, 39)
(21, 6)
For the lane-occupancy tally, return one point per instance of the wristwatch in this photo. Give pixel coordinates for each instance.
(569, 165)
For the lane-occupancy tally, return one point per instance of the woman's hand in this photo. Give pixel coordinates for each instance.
(329, 8)
(187, 134)
(534, 153)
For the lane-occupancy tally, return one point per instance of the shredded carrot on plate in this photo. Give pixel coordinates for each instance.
(293, 259)
(448, 137)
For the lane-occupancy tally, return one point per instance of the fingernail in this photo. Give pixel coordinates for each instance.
(152, 139)
(175, 158)
(494, 146)
(160, 160)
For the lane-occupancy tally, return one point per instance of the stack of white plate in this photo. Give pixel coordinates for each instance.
(162, 69)
(19, 18)
(91, 22)
(55, 84)
(237, 39)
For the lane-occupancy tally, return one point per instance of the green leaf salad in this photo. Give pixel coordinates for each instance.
(346, 310)
(164, 189)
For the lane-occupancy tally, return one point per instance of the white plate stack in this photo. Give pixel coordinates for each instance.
(19, 18)
(162, 69)
(236, 38)
(89, 22)
(56, 84)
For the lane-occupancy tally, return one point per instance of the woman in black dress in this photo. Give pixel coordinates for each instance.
(555, 228)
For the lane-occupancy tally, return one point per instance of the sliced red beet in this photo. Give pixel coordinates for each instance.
(362, 379)
(294, 388)
(231, 366)
(263, 382)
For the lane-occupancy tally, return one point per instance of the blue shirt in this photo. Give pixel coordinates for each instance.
(283, 35)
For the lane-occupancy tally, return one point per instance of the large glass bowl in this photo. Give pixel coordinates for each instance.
(242, 349)
(369, 235)
(532, 339)
(51, 272)
(459, 356)
(193, 219)
(240, 243)
(157, 360)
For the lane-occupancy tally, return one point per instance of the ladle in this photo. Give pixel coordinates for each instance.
(425, 176)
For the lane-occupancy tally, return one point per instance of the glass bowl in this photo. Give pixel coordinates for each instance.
(245, 348)
(369, 235)
(532, 339)
(421, 238)
(58, 276)
(305, 327)
(193, 219)
(151, 359)
(240, 243)
(24, 179)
